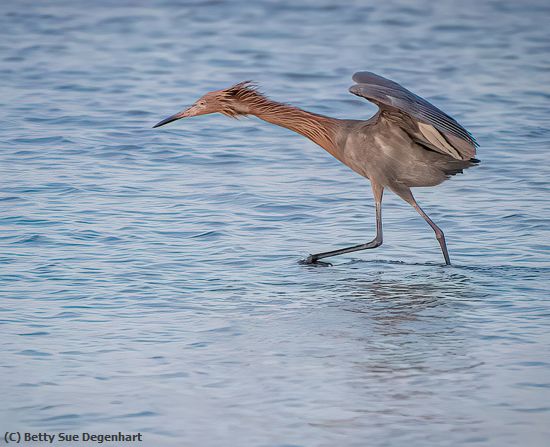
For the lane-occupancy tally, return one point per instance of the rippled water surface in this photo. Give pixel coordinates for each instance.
(149, 278)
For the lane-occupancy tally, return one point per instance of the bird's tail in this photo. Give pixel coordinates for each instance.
(457, 166)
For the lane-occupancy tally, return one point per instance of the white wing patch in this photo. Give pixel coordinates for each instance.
(436, 139)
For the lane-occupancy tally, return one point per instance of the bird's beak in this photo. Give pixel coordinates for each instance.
(191, 111)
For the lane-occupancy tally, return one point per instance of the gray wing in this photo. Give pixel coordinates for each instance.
(436, 129)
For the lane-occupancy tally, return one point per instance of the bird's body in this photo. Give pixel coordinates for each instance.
(408, 143)
(385, 153)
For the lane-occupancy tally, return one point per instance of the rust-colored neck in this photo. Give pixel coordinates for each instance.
(318, 128)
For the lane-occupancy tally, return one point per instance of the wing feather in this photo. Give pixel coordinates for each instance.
(438, 140)
(436, 128)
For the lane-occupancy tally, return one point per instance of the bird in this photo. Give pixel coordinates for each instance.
(407, 143)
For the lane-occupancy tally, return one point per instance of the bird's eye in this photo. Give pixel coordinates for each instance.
(201, 103)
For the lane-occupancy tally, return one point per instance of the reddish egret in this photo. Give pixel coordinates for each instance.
(408, 142)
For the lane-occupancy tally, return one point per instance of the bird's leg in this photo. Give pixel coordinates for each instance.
(406, 194)
(376, 242)
(438, 233)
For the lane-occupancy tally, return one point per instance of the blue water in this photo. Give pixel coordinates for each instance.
(149, 279)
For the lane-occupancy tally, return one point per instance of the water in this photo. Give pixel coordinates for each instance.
(149, 278)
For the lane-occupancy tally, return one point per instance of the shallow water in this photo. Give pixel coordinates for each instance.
(149, 278)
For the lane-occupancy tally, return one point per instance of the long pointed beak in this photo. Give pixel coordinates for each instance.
(177, 116)
(167, 120)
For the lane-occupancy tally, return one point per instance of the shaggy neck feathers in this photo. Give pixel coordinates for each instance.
(245, 99)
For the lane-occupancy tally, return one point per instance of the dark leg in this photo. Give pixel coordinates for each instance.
(376, 242)
(406, 194)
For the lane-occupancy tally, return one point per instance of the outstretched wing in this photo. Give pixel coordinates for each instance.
(436, 129)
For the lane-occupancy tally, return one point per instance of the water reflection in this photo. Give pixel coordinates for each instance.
(414, 322)
(398, 343)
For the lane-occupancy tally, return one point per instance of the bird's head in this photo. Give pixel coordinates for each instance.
(232, 101)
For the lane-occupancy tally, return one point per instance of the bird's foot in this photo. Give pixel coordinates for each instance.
(312, 260)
